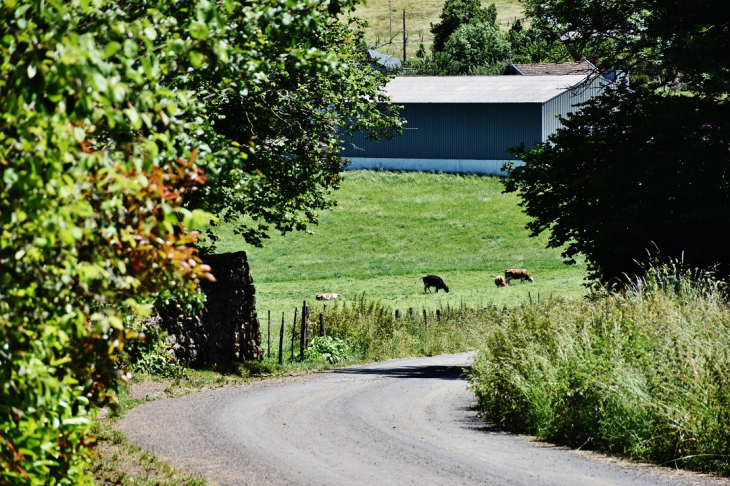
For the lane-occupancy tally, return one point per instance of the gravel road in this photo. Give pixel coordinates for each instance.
(410, 421)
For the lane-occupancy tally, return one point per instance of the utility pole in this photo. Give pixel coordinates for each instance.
(404, 38)
(390, 19)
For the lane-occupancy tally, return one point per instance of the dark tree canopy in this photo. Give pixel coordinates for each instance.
(644, 171)
(536, 44)
(668, 39)
(632, 173)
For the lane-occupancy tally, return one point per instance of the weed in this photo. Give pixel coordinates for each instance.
(328, 348)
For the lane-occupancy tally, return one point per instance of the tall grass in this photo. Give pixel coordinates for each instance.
(643, 374)
(376, 334)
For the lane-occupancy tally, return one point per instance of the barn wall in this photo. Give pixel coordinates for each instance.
(451, 131)
(565, 103)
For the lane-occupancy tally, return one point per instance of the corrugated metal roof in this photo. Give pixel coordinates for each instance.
(583, 68)
(479, 89)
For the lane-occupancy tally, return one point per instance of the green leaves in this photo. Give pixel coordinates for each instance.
(126, 126)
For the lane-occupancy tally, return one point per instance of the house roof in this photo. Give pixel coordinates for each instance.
(384, 60)
(479, 89)
(584, 68)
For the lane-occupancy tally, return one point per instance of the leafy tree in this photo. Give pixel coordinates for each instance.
(112, 151)
(536, 44)
(635, 171)
(477, 45)
(277, 144)
(670, 39)
(457, 13)
(630, 174)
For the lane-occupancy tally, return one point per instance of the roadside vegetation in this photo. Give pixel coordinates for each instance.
(642, 374)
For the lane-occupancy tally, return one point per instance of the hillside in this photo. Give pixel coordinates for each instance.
(419, 16)
(389, 229)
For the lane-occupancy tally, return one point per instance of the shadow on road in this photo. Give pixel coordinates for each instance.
(436, 372)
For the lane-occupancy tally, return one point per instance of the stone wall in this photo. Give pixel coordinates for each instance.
(227, 331)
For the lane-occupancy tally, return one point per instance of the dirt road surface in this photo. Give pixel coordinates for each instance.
(400, 422)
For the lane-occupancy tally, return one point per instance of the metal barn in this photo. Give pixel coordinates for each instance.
(466, 123)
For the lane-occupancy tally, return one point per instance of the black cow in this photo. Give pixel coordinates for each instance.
(434, 281)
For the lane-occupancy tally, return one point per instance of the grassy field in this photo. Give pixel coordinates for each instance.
(419, 16)
(389, 229)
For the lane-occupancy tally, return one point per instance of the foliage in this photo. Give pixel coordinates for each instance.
(535, 44)
(278, 137)
(107, 130)
(630, 173)
(665, 39)
(637, 171)
(457, 13)
(477, 45)
(642, 374)
(151, 354)
(331, 349)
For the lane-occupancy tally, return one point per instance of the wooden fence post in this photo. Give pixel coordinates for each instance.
(322, 330)
(305, 328)
(281, 340)
(529, 295)
(397, 314)
(438, 315)
(410, 312)
(293, 333)
(268, 338)
(425, 318)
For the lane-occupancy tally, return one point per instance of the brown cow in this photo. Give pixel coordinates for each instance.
(328, 296)
(499, 281)
(518, 274)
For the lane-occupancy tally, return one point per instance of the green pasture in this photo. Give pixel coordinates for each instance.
(419, 16)
(389, 229)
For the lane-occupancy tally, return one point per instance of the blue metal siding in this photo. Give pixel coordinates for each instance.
(565, 103)
(456, 131)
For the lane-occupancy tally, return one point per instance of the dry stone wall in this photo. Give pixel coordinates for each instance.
(227, 331)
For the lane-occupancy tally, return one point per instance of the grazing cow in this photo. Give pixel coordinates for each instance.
(518, 274)
(433, 281)
(328, 296)
(499, 281)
